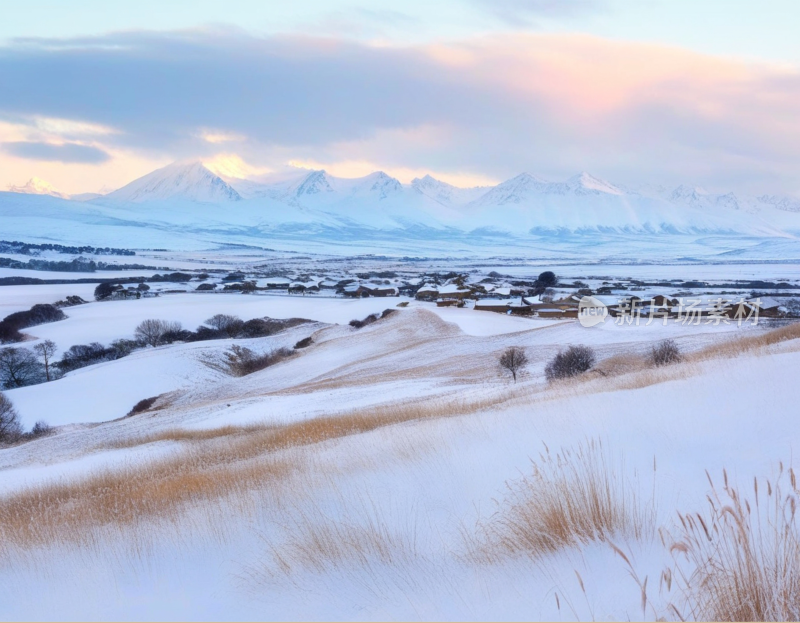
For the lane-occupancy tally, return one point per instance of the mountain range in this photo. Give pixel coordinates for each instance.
(188, 199)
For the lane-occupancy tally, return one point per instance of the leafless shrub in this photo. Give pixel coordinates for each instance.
(513, 360)
(10, 427)
(571, 362)
(152, 332)
(40, 429)
(304, 343)
(241, 361)
(743, 554)
(358, 324)
(664, 353)
(571, 498)
(143, 405)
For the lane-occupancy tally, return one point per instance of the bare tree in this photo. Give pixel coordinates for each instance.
(227, 324)
(18, 368)
(46, 350)
(10, 428)
(151, 332)
(513, 360)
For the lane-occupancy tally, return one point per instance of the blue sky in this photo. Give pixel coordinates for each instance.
(476, 91)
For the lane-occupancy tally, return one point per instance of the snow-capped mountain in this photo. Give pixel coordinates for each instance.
(177, 181)
(37, 186)
(444, 193)
(378, 212)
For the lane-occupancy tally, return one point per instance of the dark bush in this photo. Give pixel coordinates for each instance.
(665, 353)
(264, 327)
(387, 312)
(204, 333)
(181, 335)
(9, 334)
(304, 343)
(206, 286)
(143, 405)
(70, 301)
(40, 429)
(571, 362)
(105, 290)
(358, 324)
(36, 315)
(241, 361)
(123, 348)
(547, 279)
(10, 427)
(82, 355)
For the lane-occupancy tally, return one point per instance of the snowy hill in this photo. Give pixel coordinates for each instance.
(179, 181)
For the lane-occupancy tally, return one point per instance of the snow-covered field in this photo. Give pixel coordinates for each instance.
(355, 479)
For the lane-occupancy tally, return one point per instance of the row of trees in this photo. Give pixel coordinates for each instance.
(12, 325)
(20, 367)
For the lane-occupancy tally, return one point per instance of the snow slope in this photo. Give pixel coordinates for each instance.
(423, 484)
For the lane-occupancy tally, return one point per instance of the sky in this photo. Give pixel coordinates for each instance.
(95, 94)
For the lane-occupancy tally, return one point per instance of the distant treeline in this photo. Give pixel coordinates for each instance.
(78, 265)
(25, 248)
(33, 281)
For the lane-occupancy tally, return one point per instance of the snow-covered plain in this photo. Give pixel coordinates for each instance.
(424, 483)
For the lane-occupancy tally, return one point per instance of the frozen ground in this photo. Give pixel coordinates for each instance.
(421, 485)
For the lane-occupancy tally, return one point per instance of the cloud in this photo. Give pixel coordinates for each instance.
(528, 12)
(490, 106)
(49, 152)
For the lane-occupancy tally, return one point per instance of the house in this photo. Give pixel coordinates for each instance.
(447, 303)
(499, 306)
(552, 312)
(520, 308)
(355, 290)
(383, 291)
(427, 293)
(277, 283)
(455, 291)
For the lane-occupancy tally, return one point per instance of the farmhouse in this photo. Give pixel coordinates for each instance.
(428, 293)
(454, 291)
(499, 306)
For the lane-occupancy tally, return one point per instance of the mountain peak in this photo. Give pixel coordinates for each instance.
(180, 180)
(586, 182)
(37, 186)
(314, 183)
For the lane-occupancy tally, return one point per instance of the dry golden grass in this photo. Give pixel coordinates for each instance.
(744, 557)
(217, 463)
(315, 541)
(761, 341)
(570, 499)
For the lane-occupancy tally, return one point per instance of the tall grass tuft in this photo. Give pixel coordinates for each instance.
(743, 554)
(570, 498)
